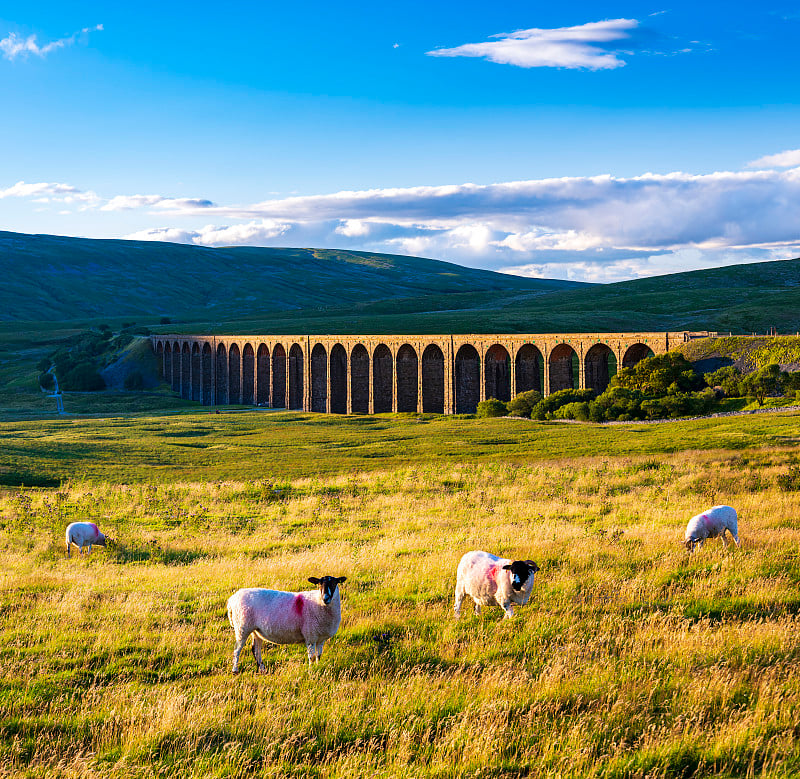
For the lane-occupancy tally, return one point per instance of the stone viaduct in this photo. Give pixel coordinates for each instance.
(372, 374)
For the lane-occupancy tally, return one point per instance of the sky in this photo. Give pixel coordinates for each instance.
(592, 141)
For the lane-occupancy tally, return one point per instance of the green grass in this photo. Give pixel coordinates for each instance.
(631, 660)
(244, 444)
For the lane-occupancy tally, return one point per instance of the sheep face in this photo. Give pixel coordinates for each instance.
(521, 570)
(327, 586)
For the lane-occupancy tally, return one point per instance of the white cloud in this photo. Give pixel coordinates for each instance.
(579, 47)
(252, 234)
(784, 159)
(130, 202)
(13, 45)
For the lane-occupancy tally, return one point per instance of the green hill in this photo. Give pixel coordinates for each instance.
(52, 278)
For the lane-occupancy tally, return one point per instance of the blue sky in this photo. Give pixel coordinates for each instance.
(592, 141)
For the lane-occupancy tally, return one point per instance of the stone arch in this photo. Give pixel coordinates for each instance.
(197, 372)
(563, 368)
(160, 356)
(467, 379)
(497, 373)
(296, 360)
(338, 381)
(176, 367)
(221, 390)
(262, 375)
(278, 376)
(600, 365)
(248, 375)
(636, 353)
(433, 380)
(529, 369)
(234, 374)
(407, 378)
(382, 379)
(359, 380)
(319, 379)
(168, 363)
(186, 372)
(208, 375)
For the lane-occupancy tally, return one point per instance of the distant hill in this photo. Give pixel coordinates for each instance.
(53, 278)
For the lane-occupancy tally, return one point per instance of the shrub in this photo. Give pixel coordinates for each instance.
(46, 381)
(521, 405)
(83, 377)
(615, 403)
(134, 381)
(728, 378)
(654, 375)
(165, 320)
(546, 406)
(43, 364)
(790, 482)
(764, 382)
(492, 407)
(578, 410)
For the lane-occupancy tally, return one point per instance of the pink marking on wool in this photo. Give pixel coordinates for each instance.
(492, 573)
(706, 520)
(95, 528)
(298, 604)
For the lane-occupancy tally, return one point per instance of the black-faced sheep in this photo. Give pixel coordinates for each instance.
(310, 617)
(489, 579)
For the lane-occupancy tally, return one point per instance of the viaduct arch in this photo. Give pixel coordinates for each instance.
(374, 374)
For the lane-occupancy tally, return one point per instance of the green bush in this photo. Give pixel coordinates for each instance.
(580, 410)
(654, 376)
(46, 381)
(767, 381)
(545, 408)
(521, 405)
(83, 377)
(491, 407)
(134, 381)
(616, 403)
(728, 378)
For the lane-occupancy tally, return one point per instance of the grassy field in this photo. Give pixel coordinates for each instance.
(631, 660)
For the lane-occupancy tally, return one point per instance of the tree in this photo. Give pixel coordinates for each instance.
(764, 382)
(492, 407)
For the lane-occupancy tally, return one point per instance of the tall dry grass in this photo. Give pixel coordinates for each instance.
(631, 660)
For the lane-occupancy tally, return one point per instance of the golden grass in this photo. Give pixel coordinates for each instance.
(631, 660)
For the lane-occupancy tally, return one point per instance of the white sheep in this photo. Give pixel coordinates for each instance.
(83, 534)
(710, 524)
(489, 579)
(310, 617)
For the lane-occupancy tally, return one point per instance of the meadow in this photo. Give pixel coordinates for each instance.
(632, 658)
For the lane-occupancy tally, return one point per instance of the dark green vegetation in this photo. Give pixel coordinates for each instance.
(665, 386)
(251, 444)
(57, 279)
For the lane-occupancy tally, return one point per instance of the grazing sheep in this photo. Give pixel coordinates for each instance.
(310, 617)
(710, 524)
(83, 534)
(489, 579)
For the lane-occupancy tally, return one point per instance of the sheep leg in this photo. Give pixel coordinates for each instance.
(320, 646)
(459, 598)
(509, 611)
(241, 640)
(311, 649)
(90, 550)
(736, 539)
(257, 644)
(69, 549)
(477, 609)
(724, 540)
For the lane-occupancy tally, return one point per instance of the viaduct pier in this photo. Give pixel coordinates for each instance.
(372, 374)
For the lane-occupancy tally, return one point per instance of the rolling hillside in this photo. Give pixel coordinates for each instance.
(52, 278)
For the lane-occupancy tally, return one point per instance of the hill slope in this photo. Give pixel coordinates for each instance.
(57, 278)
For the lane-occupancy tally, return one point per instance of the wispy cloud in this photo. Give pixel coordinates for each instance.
(584, 46)
(130, 202)
(14, 45)
(784, 159)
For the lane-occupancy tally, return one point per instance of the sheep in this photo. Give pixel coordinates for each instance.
(83, 534)
(710, 524)
(310, 617)
(489, 579)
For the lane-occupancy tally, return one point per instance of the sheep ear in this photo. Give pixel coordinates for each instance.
(342, 579)
(313, 579)
(506, 567)
(532, 565)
